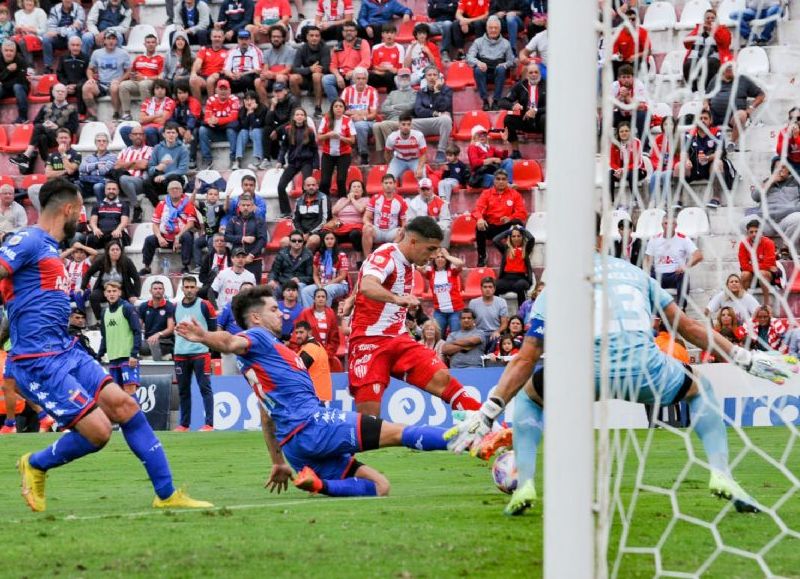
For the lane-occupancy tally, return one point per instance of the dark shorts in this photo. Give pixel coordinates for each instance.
(66, 385)
(327, 444)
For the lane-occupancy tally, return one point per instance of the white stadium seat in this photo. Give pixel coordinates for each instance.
(672, 66)
(692, 14)
(692, 222)
(141, 231)
(234, 186)
(615, 217)
(208, 176)
(137, 35)
(117, 144)
(537, 226)
(88, 133)
(728, 7)
(649, 224)
(752, 61)
(164, 46)
(692, 108)
(269, 183)
(148, 281)
(659, 16)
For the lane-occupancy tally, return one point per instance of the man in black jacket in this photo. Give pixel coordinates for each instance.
(248, 230)
(311, 60)
(312, 212)
(527, 101)
(292, 263)
(14, 79)
(433, 110)
(71, 71)
(48, 120)
(213, 263)
(279, 111)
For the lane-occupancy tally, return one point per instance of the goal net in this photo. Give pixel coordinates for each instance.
(699, 144)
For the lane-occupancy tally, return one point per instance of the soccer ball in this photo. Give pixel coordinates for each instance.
(504, 472)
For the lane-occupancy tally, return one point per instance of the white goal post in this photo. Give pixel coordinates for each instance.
(568, 435)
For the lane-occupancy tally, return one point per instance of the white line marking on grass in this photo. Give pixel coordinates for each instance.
(154, 511)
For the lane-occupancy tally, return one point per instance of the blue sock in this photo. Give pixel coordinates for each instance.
(69, 447)
(145, 445)
(10, 422)
(709, 426)
(527, 427)
(349, 487)
(424, 438)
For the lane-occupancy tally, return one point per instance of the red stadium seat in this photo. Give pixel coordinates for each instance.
(6, 180)
(459, 76)
(297, 190)
(30, 180)
(472, 287)
(463, 230)
(374, 178)
(353, 174)
(283, 228)
(527, 174)
(469, 120)
(498, 128)
(41, 93)
(20, 137)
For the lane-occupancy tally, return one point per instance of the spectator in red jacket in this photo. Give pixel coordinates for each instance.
(625, 161)
(708, 47)
(497, 210)
(220, 119)
(632, 44)
(665, 156)
(767, 332)
(323, 322)
(484, 159)
(788, 144)
(757, 253)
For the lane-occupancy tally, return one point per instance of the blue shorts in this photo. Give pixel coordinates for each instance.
(123, 374)
(327, 444)
(66, 385)
(648, 376)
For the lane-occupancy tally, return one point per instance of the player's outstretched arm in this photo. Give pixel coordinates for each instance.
(220, 341)
(770, 366)
(281, 473)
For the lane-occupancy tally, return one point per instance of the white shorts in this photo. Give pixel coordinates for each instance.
(385, 235)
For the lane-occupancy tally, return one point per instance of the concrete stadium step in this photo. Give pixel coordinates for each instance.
(719, 247)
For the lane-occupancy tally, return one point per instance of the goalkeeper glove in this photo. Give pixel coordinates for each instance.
(469, 432)
(771, 366)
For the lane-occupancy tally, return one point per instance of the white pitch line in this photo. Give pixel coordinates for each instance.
(153, 512)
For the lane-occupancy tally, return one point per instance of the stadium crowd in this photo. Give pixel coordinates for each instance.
(381, 78)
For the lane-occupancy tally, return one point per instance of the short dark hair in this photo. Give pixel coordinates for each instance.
(189, 279)
(303, 325)
(349, 24)
(467, 311)
(64, 130)
(309, 28)
(388, 176)
(753, 223)
(157, 282)
(625, 69)
(291, 284)
(153, 36)
(56, 192)
(248, 178)
(488, 279)
(422, 27)
(297, 232)
(183, 86)
(161, 83)
(502, 172)
(389, 27)
(452, 149)
(251, 94)
(320, 289)
(425, 227)
(406, 117)
(171, 126)
(246, 300)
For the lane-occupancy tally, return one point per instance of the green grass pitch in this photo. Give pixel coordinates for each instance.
(443, 518)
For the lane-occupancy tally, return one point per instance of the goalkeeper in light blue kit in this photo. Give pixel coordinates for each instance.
(638, 371)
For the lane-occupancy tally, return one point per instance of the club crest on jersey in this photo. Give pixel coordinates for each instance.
(378, 259)
(14, 240)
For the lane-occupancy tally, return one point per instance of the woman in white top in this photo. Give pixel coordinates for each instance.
(734, 296)
(30, 23)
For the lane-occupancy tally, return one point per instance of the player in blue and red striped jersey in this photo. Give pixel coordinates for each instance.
(50, 368)
(318, 442)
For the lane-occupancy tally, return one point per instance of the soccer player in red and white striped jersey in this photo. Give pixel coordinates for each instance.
(387, 59)
(380, 346)
(385, 215)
